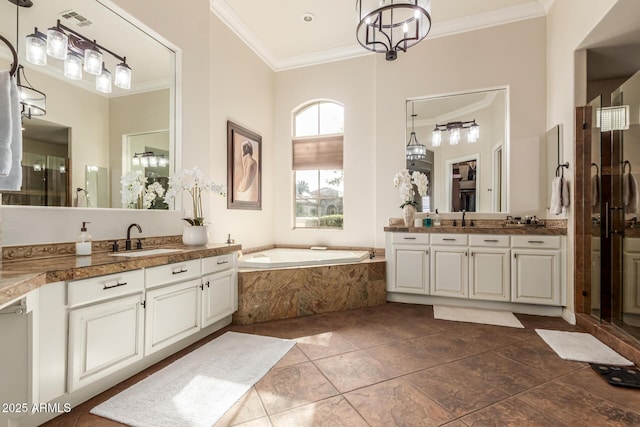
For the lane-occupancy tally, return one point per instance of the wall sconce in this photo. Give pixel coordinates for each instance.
(454, 132)
(612, 118)
(65, 44)
(149, 159)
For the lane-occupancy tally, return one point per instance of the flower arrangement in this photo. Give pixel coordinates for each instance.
(407, 182)
(135, 191)
(193, 181)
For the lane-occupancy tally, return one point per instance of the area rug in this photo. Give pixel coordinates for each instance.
(197, 389)
(476, 315)
(581, 347)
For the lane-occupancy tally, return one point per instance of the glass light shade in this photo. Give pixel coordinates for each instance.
(474, 133)
(123, 76)
(415, 150)
(36, 49)
(153, 161)
(144, 162)
(57, 43)
(73, 67)
(135, 161)
(454, 136)
(163, 161)
(93, 62)
(436, 138)
(103, 81)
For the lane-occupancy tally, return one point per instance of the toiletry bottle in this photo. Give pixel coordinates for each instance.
(427, 220)
(436, 219)
(83, 245)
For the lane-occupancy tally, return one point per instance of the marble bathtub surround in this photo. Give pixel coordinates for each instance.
(379, 252)
(20, 276)
(292, 292)
(48, 250)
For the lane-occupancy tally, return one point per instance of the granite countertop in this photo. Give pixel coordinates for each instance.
(482, 229)
(19, 277)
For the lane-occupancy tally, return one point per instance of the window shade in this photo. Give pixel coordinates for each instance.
(317, 153)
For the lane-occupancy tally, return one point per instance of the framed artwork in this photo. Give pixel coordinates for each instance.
(244, 168)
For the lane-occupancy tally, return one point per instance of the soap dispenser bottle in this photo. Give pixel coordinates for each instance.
(83, 245)
(436, 219)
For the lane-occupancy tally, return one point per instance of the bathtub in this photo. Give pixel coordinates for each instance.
(284, 257)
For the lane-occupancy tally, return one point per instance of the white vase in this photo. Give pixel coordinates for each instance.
(408, 214)
(195, 235)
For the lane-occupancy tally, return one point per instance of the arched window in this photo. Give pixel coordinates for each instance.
(318, 130)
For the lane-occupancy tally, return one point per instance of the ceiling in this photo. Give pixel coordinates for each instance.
(276, 31)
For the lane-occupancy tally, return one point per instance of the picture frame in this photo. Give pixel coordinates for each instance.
(244, 168)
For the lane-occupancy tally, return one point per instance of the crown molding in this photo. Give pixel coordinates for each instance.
(531, 9)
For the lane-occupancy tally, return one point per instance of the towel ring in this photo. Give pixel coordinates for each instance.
(14, 65)
(624, 166)
(597, 168)
(561, 168)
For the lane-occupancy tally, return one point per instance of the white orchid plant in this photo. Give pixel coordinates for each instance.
(408, 182)
(193, 182)
(135, 189)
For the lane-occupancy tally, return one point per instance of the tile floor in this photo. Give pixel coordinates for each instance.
(396, 365)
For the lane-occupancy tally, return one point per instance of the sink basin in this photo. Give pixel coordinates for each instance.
(145, 253)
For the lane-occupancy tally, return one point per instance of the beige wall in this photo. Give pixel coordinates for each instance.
(511, 55)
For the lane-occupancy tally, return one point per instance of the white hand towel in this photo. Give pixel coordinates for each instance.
(13, 181)
(556, 196)
(7, 112)
(565, 192)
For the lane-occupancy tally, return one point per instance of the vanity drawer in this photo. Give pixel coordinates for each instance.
(498, 241)
(100, 288)
(536, 242)
(417, 238)
(218, 263)
(170, 273)
(450, 239)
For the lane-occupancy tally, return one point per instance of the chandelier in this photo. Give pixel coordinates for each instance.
(414, 150)
(389, 26)
(454, 132)
(79, 54)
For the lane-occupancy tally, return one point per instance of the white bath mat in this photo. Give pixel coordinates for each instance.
(581, 347)
(476, 315)
(197, 389)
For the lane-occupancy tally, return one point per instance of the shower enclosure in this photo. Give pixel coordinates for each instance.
(612, 197)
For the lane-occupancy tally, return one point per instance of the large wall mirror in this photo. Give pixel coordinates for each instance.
(466, 172)
(76, 154)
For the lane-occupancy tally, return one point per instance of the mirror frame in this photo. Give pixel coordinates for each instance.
(505, 187)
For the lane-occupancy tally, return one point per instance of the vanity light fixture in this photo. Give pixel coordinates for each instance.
(389, 26)
(64, 43)
(454, 132)
(149, 159)
(414, 150)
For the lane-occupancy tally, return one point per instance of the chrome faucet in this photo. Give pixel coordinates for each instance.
(127, 243)
(463, 214)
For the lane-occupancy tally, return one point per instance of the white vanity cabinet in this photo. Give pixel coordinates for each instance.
(408, 263)
(489, 267)
(172, 303)
(105, 326)
(631, 279)
(449, 265)
(219, 288)
(535, 269)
